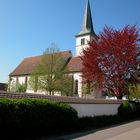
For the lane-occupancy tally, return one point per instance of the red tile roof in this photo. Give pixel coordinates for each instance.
(27, 66)
(75, 64)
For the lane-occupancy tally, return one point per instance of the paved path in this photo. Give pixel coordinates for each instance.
(129, 131)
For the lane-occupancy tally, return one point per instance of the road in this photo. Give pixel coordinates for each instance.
(128, 131)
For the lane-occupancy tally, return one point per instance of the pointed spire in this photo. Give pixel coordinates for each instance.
(87, 22)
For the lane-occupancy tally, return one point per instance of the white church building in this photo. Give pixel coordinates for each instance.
(21, 74)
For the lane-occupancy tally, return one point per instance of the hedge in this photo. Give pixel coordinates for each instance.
(38, 117)
(129, 109)
(125, 109)
(35, 116)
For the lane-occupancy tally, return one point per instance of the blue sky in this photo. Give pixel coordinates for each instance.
(28, 27)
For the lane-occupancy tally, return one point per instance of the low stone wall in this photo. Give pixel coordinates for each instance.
(84, 107)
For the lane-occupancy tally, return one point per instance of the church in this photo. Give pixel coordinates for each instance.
(21, 74)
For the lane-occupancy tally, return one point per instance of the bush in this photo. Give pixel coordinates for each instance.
(40, 116)
(98, 121)
(125, 110)
(136, 108)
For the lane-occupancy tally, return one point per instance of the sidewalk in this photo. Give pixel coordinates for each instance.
(128, 131)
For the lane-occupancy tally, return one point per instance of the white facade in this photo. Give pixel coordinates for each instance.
(23, 79)
(91, 110)
(79, 46)
(18, 79)
(82, 43)
(14, 80)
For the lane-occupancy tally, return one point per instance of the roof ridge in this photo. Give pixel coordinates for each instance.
(42, 54)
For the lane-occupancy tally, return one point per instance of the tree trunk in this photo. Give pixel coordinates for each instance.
(50, 92)
(120, 96)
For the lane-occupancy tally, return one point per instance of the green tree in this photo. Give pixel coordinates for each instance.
(134, 92)
(50, 74)
(21, 87)
(86, 88)
(65, 86)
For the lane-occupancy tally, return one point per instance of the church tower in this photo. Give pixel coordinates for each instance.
(87, 33)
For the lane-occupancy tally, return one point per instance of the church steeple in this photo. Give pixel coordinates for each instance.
(87, 26)
(87, 33)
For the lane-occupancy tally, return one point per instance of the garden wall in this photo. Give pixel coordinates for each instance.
(96, 109)
(84, 107)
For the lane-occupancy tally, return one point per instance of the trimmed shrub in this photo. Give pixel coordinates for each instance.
(36, 116)
(136, 108)
(125, 110)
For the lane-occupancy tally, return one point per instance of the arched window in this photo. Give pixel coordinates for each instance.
(76, 87)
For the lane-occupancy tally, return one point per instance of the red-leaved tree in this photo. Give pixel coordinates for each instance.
(112, 60)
